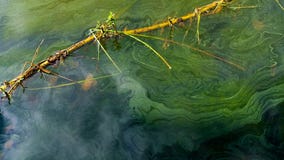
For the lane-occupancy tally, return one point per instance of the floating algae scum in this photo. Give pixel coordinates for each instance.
(217, 90)
(107, 30)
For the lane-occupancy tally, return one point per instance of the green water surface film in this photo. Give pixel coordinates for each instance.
(204, 108)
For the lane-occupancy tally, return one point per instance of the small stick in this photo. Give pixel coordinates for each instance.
(198, 24)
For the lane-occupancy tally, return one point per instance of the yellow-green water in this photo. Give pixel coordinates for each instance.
(203, 108)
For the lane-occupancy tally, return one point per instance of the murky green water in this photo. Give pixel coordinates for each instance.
(204, 108)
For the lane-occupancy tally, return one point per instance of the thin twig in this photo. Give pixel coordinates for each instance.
(151, 48)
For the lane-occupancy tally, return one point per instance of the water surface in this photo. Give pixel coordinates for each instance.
(204, 108)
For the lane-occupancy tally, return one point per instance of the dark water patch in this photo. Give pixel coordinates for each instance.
(263, 140)
(273, 128)
(3, 134)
